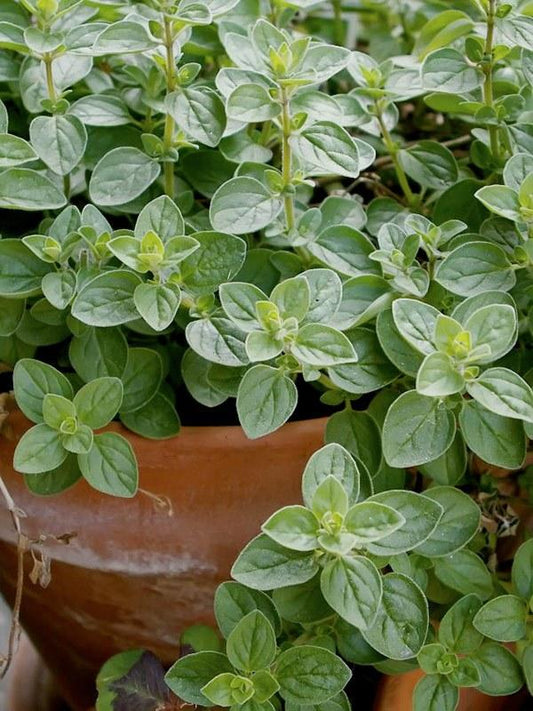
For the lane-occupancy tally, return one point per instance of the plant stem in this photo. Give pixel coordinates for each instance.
(338, 24)
(286, 159)
(392, 148)
(52, 95)
(48, 59)
(168, 135)
(488, 94)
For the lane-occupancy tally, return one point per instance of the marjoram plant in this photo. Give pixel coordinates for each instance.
(251, 200)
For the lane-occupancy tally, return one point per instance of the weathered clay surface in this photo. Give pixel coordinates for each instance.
(133, 576)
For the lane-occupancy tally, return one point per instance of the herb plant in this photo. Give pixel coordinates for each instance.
(239, 200)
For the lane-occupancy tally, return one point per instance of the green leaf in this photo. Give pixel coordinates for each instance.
(238, 300)
(327, 148)
(358, 432)
(110, 466)
(440, 31)
(503, 392)
(435, 693)
(450, 467)
(191, 673)
(243, 205)
(373, 369)
(495, 326)
(218, 340)
(516, 170)
(21, 271)
(265, 565)
(265, 401)
(98, 352)
(475, 267)
(310, 675)
(251, 645)
(352, 587)
(55, 481)
(59, 141)
(199, 112)
(501, 200)
(234, 601)
(404, 356)
(456, 630)
(503, 618)
(292, 298)
(141, 378)
(417, 429)
(252, 102)
(331, 460)
(516, 29)
(32, 381)
(302, 603)
(499, 670)
(370, 521)
(121, 176)
(446, 70)
(59, 288)
(438, 376)
(157, 419)
(527, 665)
(24, 189)
(195, 372)
(56, 409)
(123, 37)
(99, 401)
(157, 304)
(329, 497)
(320, 345)
(421, 516)
(400, 628)
(430, 164)
(15, 151)
(294, 527)
(265, 686)
(522, 570)
(101, 110)
(161, 216)
(416, 322)
(108, 299)
(346, 250)
(79, 442)
(465, 572)
(458, 525)
(217, 259)
(11, 313)
(497, 440)
(39, 450)
(221, 690)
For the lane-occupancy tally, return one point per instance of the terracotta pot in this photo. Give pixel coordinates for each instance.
(31, 686)
(133, 576)
(395, 693)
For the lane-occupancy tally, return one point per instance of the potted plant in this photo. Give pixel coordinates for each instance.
(304, 209)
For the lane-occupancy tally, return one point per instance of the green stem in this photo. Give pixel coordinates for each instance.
(392, 148)
(66, 186)
(168, 134)
(338, 24)
(48, 59)
(286, 159)
(488, 93)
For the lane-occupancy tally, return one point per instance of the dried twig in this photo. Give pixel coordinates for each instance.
(22, 547)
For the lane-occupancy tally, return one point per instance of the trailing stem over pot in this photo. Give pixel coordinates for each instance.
(220, 201)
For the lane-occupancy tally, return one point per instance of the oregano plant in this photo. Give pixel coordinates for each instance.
(250, 212)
